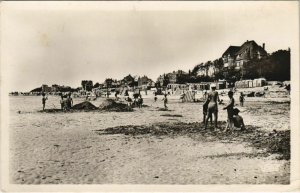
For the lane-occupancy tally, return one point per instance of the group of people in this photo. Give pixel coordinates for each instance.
(66, 101)
(210, 108)
(138, 101)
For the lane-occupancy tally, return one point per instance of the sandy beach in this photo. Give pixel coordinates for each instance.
(70, 148)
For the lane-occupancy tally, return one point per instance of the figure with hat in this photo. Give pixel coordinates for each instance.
(213, 99)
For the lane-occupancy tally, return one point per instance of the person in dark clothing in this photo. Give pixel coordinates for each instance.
(69, 101)
(242, 99)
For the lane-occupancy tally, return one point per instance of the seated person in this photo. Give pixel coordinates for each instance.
(238, 120)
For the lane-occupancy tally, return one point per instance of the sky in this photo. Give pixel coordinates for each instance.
(46, 43)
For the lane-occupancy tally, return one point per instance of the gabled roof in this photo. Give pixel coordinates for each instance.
(246, 45)
(232, 50)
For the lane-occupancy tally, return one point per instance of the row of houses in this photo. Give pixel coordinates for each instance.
(141, 82)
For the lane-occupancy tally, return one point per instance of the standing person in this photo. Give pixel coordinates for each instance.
(140, 101)
(204, 94)
(136, 96)
(213, 98)
(165, 99)
(205, 109)
(229, 109)
(129, 103)
(62, 102)
(69, 101)
(44, 98)
(242, 99)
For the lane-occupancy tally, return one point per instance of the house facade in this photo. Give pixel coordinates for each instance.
(237, 56)
(144, 82)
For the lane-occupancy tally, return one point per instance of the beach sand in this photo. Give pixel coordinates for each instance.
(66, 148)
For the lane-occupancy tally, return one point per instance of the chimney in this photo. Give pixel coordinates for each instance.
(263, 46)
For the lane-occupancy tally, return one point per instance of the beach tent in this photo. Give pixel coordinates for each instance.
(259, 82)
(189, 96)
(250, 83)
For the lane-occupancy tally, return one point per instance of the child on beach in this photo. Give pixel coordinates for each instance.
(165, 99)
(229, 109)
(44, 98)
(238, 120)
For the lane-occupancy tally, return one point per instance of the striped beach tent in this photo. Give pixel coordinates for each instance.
(189, 96)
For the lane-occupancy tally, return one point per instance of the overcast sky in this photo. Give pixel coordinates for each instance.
(64, 45)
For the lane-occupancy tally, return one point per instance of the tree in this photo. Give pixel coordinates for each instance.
(87, 85)
(273, 67)
(196, 69)
(108, 82)
(97, 85)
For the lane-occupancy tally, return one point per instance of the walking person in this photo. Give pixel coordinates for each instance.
(229, 109)
(242, 99)
(44, 98)
(213, 98)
